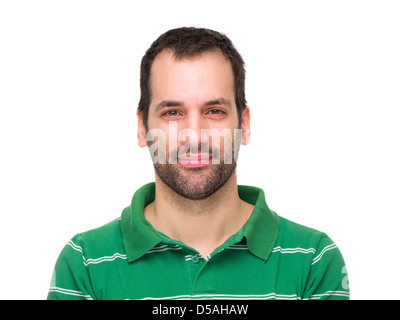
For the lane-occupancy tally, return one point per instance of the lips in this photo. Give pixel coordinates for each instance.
(198, 160)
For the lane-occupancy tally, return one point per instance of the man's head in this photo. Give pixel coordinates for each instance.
(189, 86)
(185, 43)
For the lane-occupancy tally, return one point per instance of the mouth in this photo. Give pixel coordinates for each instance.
(195, 161)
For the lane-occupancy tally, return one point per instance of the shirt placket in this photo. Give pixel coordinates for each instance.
(201, 275)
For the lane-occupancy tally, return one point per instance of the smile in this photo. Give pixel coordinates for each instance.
(193, 161)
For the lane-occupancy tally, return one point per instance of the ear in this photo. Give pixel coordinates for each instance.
(141, 133)
(246, 133)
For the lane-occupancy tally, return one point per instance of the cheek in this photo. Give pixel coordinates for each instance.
(223, 140)
(152, 124)
(175, 137)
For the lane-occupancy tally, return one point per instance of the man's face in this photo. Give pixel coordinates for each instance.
(192, 103)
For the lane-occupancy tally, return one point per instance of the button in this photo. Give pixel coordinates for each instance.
(195, 259)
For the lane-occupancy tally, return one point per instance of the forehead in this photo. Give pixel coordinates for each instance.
(208, 73)
(168, 56)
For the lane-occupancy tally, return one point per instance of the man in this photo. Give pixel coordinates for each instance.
(194, 233)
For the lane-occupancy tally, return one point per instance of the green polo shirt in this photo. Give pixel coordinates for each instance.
(269, 258)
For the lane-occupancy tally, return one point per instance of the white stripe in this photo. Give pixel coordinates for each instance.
(238, 247)
(159, 247)
(168, 298)
(190, 257)
(75, 247)
(164, 248)
(327, 248)
(86, 262)
(331, 293)
(293, 250)
(277, 249)
(251, 297)
(106, 258)
(70, 292)
(229, 297)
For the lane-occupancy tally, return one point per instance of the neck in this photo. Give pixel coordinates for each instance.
(201, 224)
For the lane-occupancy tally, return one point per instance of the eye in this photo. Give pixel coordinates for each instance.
(171, 114)
(216, 112)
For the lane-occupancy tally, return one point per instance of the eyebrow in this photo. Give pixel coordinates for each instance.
(168, 103)
(219, 101)
(215, 102)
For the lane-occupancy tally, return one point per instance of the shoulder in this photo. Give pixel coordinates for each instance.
(325, 273)
(294, 237)
(105, 239)
(294, 233)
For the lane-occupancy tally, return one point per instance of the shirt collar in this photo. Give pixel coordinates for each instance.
(261, 229)
(139, 236)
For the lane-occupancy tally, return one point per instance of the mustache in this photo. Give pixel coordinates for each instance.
(188, 149)
(161, 153)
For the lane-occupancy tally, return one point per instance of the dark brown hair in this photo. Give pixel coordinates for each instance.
(186, 42)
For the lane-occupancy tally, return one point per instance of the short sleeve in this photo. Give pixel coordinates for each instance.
(327, 279)
(71, 280)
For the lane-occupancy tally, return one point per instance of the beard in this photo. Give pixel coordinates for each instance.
(196, 183)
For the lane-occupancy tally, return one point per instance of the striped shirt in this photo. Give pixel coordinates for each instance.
(270, 258)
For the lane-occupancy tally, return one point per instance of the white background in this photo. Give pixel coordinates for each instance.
(323, 85)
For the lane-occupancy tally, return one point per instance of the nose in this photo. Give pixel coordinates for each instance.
(192, 127)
